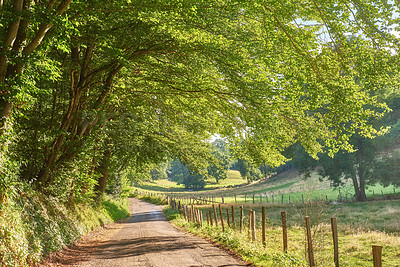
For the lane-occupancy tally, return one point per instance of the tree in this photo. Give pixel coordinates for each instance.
(26, 25)
(248, 170)
(177, 171)
(159, 172)
(218, 168)
(194, 181)
(183, 175)
(355, 166)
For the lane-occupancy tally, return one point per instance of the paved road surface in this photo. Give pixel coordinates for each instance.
(146, 239)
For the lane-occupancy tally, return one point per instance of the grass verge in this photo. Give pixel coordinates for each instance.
(153, 199)
(238, 242)
(33, 225)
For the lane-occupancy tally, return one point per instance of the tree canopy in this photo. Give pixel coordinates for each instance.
(92, 87)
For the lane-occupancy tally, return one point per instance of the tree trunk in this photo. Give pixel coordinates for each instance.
(362, 195)
(355, 183)
(102, 180)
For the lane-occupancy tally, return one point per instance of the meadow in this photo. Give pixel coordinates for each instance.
(287, 187)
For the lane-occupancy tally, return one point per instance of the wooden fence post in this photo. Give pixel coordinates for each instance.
(249, 223)
(335, 242)
(282, 199)
(227, 217)
(233, 217)
(215, 215)
(377, 255)
(253, 198)
(184, 212)
(201, 218)
(284, 231)
(263, 226)
(241, 218)
(309, 242)
(211, 219)
(253, 225)
(222, 218)
(199, 215)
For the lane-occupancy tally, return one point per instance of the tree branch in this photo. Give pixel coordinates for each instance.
(11, 34)
(44, 28)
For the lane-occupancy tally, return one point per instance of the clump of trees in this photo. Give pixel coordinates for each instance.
(193, 177)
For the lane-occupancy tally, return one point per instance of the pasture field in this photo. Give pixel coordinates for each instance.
(290, 184)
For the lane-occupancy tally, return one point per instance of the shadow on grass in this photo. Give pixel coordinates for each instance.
(115, 212)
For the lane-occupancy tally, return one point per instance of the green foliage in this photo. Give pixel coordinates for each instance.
(387, 170)
(219, 168)
(183, 175)
(194, 181)
(159, 172)
(172, 214)
(177, 171)
(248, 170)
(33, 225)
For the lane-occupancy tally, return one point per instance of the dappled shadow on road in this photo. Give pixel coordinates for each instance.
(123, 248)
(141, 246)
(150, 216)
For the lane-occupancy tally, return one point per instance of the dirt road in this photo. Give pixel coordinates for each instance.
(146, 239)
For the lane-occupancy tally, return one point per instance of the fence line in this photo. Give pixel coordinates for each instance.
(195, 215)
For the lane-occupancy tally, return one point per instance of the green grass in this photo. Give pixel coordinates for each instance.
(115, 209)
(33, 225)
(153, 199)
(360, 226)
